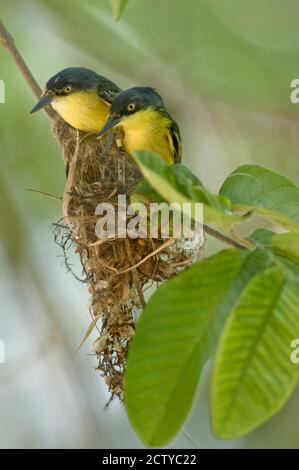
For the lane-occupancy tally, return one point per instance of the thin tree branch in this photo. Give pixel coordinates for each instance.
(7, 41)
(43, 193)
(243, 244)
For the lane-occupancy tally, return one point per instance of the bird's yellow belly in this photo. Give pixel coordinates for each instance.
(135, 141)
(83, 110)
(141, 134)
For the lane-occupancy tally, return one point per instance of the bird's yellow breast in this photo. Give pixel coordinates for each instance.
(148, 130)
(83, 110)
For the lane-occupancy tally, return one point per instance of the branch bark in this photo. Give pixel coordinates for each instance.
(7, 41)
(242, 244)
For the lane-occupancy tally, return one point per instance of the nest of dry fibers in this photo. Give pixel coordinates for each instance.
(117, 271)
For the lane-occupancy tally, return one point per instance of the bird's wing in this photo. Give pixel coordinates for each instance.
(107, 90)
(175, 136)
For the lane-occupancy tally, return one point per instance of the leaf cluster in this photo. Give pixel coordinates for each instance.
(239, 305)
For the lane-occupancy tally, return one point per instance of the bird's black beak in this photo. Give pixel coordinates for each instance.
(44, 101)
(112, 122)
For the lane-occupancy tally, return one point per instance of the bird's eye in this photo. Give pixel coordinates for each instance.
(67, 89)
(131, 107)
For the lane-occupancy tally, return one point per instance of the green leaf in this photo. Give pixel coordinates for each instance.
(290, 266)
(184, 176)
(269, 194)
(144, 192)
(177, 184)
(253, 375)
(263, 237)
(287, 244)
(175, 336)
(118, 7)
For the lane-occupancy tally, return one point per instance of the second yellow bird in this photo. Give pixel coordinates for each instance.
(147, 125)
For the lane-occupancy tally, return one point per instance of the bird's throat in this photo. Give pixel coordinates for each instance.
(83, 110)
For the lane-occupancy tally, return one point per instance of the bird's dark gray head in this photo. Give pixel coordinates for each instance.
(75, 79)
(72, 79)
(129, 102)
(135, 99)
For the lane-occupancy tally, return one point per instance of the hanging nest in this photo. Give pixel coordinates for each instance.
(118, 271)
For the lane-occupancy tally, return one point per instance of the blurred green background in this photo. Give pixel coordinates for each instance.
(224, 69)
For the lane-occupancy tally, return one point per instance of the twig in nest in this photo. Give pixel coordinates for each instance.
(70, 182)
(43, 193)
(134, 273)
(169, 242)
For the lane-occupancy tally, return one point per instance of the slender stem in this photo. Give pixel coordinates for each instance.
(7, 41)
(59, 199)
(242, 244)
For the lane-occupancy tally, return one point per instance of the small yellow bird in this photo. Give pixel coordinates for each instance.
(147, 125)
(80, 96)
